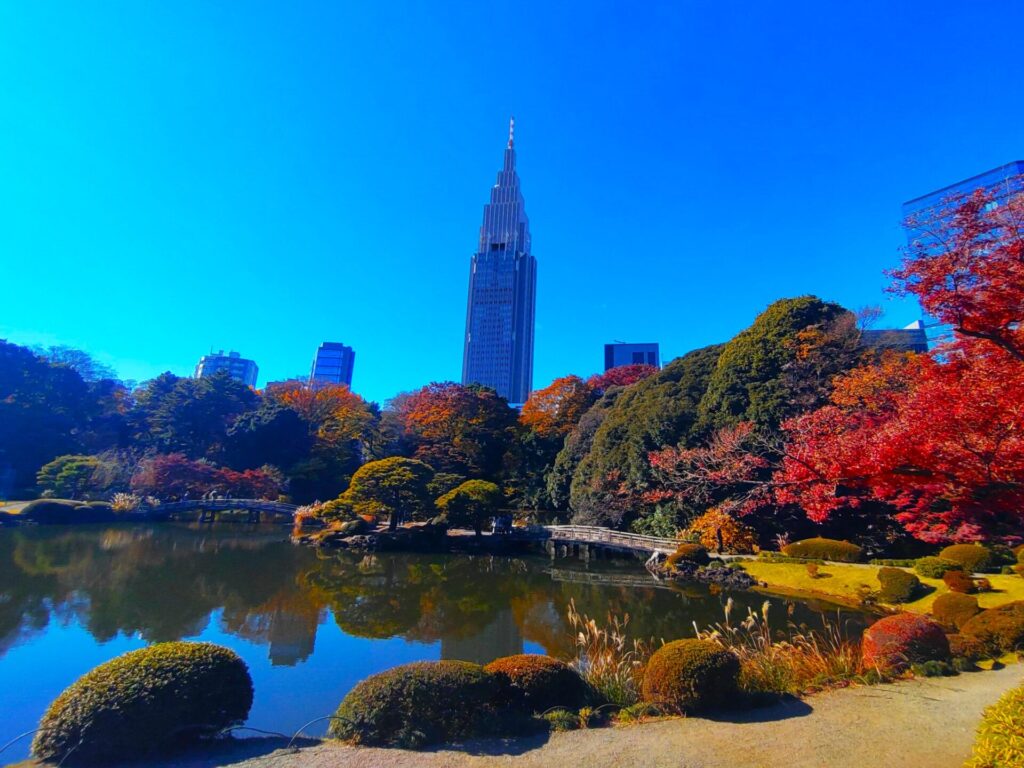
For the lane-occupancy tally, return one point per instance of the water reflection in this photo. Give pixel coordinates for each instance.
(168, 582)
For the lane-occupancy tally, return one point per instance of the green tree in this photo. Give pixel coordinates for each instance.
(471, 504)
(68, 476)
(395, 487)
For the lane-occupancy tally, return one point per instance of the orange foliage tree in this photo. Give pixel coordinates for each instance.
(554, 410)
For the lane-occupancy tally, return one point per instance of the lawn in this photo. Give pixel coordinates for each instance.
(843, 583)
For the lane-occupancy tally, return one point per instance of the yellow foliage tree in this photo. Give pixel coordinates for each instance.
(718, 531)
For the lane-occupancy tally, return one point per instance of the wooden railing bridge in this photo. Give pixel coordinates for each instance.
(208, 508)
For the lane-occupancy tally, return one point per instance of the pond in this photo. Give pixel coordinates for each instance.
(309, 624)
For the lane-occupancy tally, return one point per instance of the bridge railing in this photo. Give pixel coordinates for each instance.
(219, 505)
(595, 535)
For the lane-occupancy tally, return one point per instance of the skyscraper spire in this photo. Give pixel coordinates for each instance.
(511, 131)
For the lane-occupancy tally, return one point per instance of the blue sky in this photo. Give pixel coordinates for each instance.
(265, 176)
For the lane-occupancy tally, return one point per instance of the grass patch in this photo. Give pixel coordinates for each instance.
(848, 583)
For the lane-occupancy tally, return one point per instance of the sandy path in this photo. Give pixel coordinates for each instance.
(927, 723)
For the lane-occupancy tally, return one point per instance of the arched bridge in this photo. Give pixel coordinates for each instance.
(208, 508)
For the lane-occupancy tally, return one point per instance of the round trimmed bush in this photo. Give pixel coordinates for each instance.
(145, 702)
(538, 683)
(964, 647)
(973, 557)
(897, 641)
(898, 586)
(999, 629)
(414, 705)
(1000, 739)
(935, 567)
(959, 581)
(54, 511)
(954, 609)
(824, 549)
(691, 675)
(688, 553)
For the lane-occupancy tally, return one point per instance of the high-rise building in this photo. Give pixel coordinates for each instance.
(911, 338)
(498, 349)
(332, 364)
(236, 366)
(928, 210)
(621, 353)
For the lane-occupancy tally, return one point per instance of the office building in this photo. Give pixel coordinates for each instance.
(332, 364)
(621, 353)
(912, 338)
(923, 213)
(236, 366)
(498, 345)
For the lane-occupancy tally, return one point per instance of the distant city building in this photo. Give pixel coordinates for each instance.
(930, 209)
(912, 338)
(236, 366)
(621, 353)
(498, 346)
(332, 364)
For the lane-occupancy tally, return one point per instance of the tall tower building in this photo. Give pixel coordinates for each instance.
(498, 349)
(332, 364)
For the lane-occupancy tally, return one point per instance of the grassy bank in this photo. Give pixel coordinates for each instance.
(847, 583)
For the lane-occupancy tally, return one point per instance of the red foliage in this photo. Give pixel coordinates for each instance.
(175, 476)
(621, 376)
(896, 641)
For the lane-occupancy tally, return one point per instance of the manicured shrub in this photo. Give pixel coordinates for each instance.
(954, 609)
(537, 683)
(898, 586)
(897, 641)
(145, 702)
(824, 549)
(959, 581)
(54, 511)
(691, 675)
(973, 557)
(935, 567)
(999, 629)
(687, 553)
(1019, 552)
(964, 647)
(1000, 739)
(427, 702)
(1018, 569)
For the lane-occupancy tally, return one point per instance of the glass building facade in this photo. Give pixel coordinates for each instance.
(236, 366)
(621, 353)
(926, 211)
(498, 346)
(332, 364)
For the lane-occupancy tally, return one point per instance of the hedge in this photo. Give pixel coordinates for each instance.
(935, 567)
(999, 629)
(65, 512)
(144, 703)
(895, 642)
(538, 683)
(1000, 739)
(973, 557)
(824, 549)
(898, 586)
(418, 704)
(954, 609)
(690, 676)
(959, 581)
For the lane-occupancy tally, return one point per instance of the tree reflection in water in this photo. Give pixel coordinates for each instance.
(165, 582)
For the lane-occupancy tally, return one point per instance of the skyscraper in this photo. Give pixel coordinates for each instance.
(498, 349)
(236, 366)
(621, 353)
(332, 364)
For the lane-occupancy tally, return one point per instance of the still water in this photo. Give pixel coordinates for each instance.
(309, 624)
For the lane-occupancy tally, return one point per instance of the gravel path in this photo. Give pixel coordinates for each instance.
(927, 723)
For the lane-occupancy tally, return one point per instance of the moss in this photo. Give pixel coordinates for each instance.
(898, 586)
(1000, 739)
(897, 641)
(954, 609)
(935, 567)
(145, 702)
(691, 676)
(538, 683)
(973, 557)
(825, 549)
(998, 629)
(418, 704)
